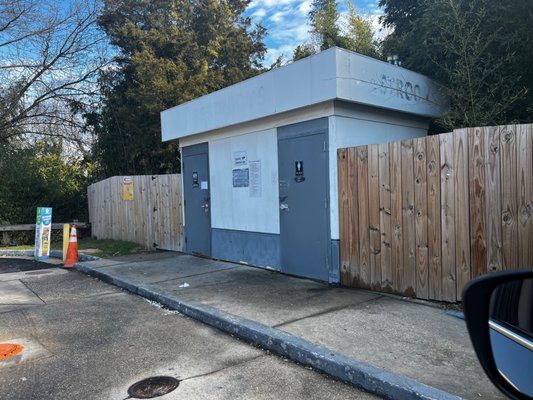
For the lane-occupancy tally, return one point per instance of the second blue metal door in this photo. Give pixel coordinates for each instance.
(304, 208)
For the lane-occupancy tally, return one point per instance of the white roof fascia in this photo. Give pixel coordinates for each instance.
(329, 75)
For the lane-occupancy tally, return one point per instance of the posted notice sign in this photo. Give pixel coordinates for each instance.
(127, 188)
(43, 233)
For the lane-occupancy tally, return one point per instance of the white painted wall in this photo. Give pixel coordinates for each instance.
(357, 131)
(236, 208)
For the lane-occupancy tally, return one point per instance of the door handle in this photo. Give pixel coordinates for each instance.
(284, 206)
(205, 206)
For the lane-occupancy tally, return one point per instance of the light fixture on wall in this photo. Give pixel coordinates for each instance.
(394, 60)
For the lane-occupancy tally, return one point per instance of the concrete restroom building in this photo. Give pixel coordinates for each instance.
(259, 158)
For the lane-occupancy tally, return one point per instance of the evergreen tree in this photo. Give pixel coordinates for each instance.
(480, 50)
(328, 29)
(171, 51)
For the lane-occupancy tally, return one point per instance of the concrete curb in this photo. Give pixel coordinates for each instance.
(372, 379)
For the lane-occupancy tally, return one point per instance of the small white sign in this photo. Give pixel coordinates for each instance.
(204, 185)
(239, 158)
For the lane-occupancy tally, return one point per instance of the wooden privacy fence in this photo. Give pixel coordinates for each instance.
(422, 217)
(142, 209)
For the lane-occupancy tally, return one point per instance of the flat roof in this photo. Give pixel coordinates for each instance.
(334, 74)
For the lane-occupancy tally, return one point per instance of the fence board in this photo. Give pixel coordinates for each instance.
(154, 215)
(396, 215)
(525, 194)
(462, 231)
(344, 186)
(434, 220)
(363, 211)
(508, 160)
(354, 256)
(374, 217)
(493, 196)
(447, 188)
(421, 218)
(408, 219)
(385, 217)
(476, 144)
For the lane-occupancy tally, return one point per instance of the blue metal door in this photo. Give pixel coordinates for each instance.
(304, 208)
(197, 200)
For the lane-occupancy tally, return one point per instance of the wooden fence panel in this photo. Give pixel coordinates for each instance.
(354, 257)
(476, 165)
(385, 217)
(346, 275)
(434, 221)
(493, 194)
(525, 194)
(396, 215)
(374, 217)
(363, 212)
(462, 231)
(447, 189)
(153, 218)
(421, 217)
(408, 219)
(508, 154)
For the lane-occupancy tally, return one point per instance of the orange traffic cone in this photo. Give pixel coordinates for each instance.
(72, 251)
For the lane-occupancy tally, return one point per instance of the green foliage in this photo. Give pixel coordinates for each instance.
(360, 34)
(41, 177)
(355, 34)
(481, 50)
(171, 52)
(302, 51)
(324, 17)
(99, 248)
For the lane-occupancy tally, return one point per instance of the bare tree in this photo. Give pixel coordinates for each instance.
(50, 54)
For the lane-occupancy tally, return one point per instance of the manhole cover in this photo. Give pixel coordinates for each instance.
(153, 387)
(9, 349)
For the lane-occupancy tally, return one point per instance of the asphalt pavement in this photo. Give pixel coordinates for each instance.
(390, 346)
(86, 339)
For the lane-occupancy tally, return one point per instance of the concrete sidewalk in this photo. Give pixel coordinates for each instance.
(390, 346)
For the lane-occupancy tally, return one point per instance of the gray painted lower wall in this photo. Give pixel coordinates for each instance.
(335, 265)
(261, 249)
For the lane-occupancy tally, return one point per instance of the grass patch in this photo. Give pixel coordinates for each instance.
(99, 248)
(18, 247)
(108, 247)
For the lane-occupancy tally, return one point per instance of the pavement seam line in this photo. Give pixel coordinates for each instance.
(31, 290)
(194, 275)
(318, 314)
(223, 368)
(371, 379)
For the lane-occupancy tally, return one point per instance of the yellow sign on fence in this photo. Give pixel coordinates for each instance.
(127, 188)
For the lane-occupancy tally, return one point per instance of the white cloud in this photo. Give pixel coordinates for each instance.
(259, 13)
(287, 22)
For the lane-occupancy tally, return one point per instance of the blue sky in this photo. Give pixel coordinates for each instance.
(287, 22)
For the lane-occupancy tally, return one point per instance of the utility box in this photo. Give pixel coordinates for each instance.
(259, 158)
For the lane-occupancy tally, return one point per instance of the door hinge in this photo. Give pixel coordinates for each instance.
(326, 203)
(325, 145)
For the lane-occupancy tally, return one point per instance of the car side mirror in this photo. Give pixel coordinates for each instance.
(498, 310)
